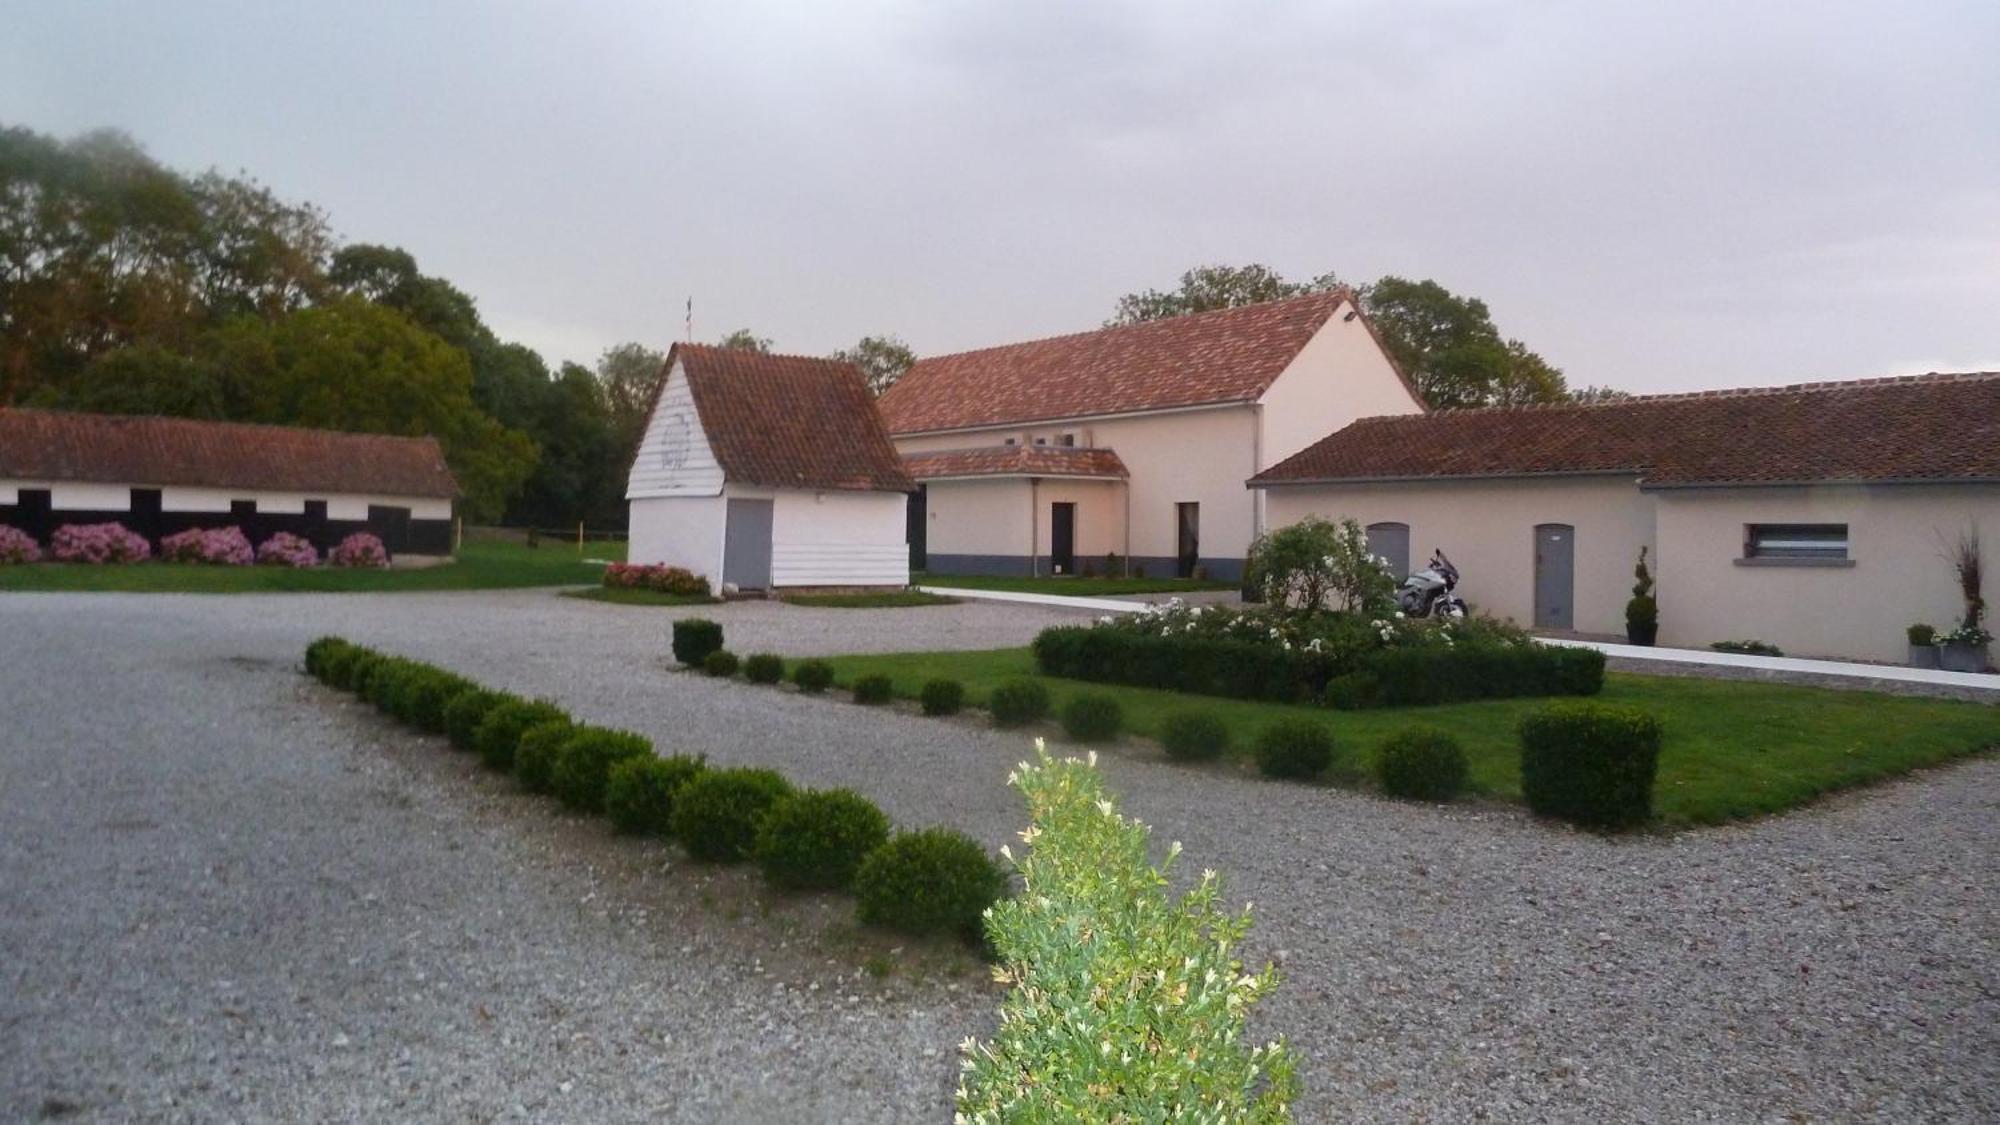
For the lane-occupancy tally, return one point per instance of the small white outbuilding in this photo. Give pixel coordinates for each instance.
(767, 471)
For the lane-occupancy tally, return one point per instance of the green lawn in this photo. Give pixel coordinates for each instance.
(886, 599)
(1071, 587)
(480, 566)
(639, 597)
(1733, 749)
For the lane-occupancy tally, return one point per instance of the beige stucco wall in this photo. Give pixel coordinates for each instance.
(1899, 576)
(1339, 376)
(1488, 529)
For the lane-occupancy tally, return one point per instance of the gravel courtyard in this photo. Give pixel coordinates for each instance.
(230, 895)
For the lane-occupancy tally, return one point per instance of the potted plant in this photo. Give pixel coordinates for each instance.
(1642, 613)
(1923, 646)
(1964, 648)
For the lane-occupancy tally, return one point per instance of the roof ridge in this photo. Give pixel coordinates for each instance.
(121, 419)
(1343, 292)
(1820, 387)
(761, 355)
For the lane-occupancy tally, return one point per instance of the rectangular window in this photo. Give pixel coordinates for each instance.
(1012, 441)
(1041, 441)
(1819, 542)
(1067, 440)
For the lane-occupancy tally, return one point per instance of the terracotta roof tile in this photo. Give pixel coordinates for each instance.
(786, 421)
(119, 449)
(1911, 428)
(1231, 355)
(1015, 461)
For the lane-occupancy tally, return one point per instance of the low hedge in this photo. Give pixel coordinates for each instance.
(585, 760)
(764, 668)
(1092, 717)
(321, 651)
(639, 792)
(716, 816)
(1411, 677)
(1017, 703)
(1422, 765)
(816, 840)
(813, 676)
(464, 713)
(943, 697)
(500, 731)
(1590, 764)
(695, 638)
(428, 694)
(873, 690)
(1194, 736)
(931, 882)
(536, 751)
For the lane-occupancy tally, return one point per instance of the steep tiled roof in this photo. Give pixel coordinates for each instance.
(1912, 428)
(1015, 461)
(1231, 355)
(787, 421)
(54, 445)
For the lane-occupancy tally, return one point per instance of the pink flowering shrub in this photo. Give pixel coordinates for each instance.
(359, 549)
(98, 543)
(660, 579)
(286, 549)
(218, 546)
(17, 546)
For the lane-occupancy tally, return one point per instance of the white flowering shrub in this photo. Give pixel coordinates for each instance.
(1124, 1005)
(1317, 564)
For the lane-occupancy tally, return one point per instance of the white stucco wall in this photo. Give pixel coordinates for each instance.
(85, 496)
(838, 538)
(674, 458)
(1488, 529)
(1896, 540)
(683, 531)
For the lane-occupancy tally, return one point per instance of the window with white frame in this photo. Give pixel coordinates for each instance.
(1796, 542)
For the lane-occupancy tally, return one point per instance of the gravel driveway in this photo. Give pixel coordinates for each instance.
(230, 896)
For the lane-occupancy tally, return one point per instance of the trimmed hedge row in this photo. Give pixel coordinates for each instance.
(929, 882)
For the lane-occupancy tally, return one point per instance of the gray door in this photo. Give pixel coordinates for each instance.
(1555, 575)
(1391, 541)
(746, 545)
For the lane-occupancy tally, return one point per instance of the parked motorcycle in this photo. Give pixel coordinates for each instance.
(1429, 592)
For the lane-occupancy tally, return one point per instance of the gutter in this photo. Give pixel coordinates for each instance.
(1060, 419)
(1637, 474)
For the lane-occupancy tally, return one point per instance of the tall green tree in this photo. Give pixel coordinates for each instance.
(747, 340)
(630, 374)
(882, 360)
(1208, 288)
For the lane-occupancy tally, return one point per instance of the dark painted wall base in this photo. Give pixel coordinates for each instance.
(1020, 566)
(398, 532)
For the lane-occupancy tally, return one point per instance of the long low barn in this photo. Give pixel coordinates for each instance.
(158, 476)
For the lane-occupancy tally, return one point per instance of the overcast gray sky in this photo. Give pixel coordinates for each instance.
(1659, 196)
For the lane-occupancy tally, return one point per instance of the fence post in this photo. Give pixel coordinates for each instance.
(579, 539)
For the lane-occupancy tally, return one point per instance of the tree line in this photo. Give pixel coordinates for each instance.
(129, 287)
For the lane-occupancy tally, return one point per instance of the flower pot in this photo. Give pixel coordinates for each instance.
(1956, 657)
(1923, 656)
(1641, 633)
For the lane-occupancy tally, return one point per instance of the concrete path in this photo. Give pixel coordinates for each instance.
(1647, 658)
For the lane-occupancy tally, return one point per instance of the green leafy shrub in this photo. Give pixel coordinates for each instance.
(342, 666)
(500, 731)
(695, 638)
(1158, 985)
(1590, 764)
(721, 664)
(1316, 563)
(943, 697)
(1748, 648)
(764, 668)
(813, 676)
(639, 792)
(320, 652)
(1353, 691)
(465, 712)
(387, 679)
(585, 761)
(816, 840)
(1413, 677)
(873, 690)
(1017, 703)
(1194, 736)
(426, 696)
(1422, 765)
(1092, 717)
(716, 816)
(931, 882)
(1236, 669)
(536, 751)
(1299, 749)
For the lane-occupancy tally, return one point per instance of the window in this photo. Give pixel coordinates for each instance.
(1067, 440)
(1041, 441)
(1796, 542)
(1012, 441)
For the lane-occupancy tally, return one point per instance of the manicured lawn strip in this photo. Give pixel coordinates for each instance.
(480, 566)
(638, 597)
(1732, 749)
(1071, 587)
(887, 599)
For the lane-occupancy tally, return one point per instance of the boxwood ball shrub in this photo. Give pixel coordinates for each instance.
(764, 668)
(874, 689)
(465, 712)
(1296, 749)
(536, 751)
(721, 664)
(321, 652)
(429, 695)
(943, 697)
(585, 761)
(1590, 764)
(1092, 717)
(695, 638)
(1017, 703)
(358, 670)
(386, 680)
(716, 816)
(1421, 764)
(815, 841)
(500, 731)
(813, 676)
(931, 882)
(1194, 736)
(639, 792)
